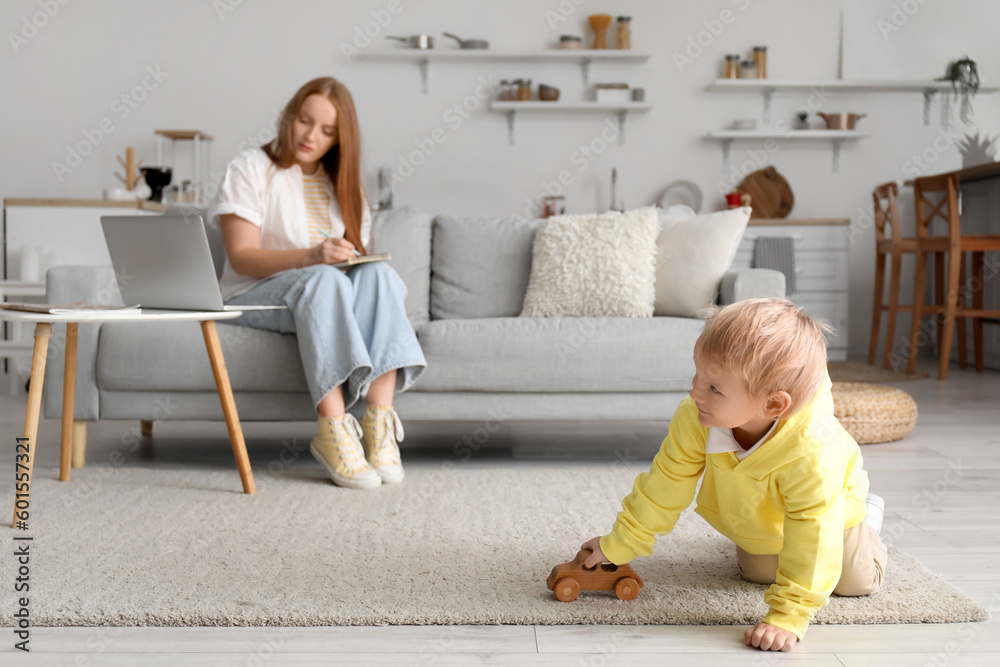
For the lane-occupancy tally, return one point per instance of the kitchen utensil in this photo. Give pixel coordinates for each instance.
(157, 178)
(415, 41)
(547, 93)
(468, 43)
(840, 121)
(682, 193)
(599, 24)
(770, 194)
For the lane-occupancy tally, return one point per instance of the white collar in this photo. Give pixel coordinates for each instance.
(721, 440)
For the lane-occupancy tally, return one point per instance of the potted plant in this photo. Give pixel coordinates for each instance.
(964, 78)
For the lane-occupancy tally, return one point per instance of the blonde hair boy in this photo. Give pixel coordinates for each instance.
(782, 479)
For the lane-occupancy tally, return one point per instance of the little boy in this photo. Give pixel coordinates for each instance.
(782, 478)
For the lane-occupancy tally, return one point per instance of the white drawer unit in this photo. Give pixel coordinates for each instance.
(821, 265)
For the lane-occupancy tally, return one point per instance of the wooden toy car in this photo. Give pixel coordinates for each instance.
(568, 579)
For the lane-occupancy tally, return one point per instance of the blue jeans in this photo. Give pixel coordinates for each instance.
(351, 327)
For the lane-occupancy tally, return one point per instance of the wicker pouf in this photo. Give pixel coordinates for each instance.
(872, 413)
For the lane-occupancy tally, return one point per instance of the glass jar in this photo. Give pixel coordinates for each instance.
(524, 90)
(732, 66)
(760, 58)
(624, 32)
(504, 89)
(748, 69)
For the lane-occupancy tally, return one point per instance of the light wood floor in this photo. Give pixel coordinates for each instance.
(947, 520)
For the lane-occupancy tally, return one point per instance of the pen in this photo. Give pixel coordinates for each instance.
(327, 234)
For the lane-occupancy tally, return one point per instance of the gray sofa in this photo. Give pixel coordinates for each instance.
(466, 279)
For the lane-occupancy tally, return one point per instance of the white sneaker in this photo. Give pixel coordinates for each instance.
(381, 431)
(337, 446)
(876, 512)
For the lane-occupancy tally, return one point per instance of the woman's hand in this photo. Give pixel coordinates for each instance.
(596, 558)
(333, 250)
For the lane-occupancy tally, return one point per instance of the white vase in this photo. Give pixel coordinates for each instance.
(30, 264)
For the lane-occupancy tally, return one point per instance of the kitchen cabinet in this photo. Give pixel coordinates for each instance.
(67, 230)
(820, 248)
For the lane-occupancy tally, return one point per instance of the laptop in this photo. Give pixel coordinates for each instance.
(164, 262)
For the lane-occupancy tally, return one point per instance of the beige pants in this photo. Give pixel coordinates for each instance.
(865, 556)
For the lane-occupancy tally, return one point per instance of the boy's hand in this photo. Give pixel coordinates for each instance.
(596, 558)
(769, 637)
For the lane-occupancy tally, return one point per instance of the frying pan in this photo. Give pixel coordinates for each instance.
(416, 41)
(468, 43)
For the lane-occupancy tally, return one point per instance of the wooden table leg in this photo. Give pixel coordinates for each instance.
(42, 334)
(228, 404)
(79, 442)
(69, 397)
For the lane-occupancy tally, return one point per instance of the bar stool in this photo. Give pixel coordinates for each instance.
(889, 242)
(955, 245)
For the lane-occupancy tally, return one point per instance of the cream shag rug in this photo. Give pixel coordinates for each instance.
(448, 546)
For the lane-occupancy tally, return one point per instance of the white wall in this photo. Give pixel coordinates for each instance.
(228, 65)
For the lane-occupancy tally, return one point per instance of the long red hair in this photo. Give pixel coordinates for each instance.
(342, 162)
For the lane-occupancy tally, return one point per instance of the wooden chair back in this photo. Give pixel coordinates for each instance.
(944, 207)
(887, 225)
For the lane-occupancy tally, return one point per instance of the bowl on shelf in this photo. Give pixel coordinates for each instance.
(744, 124)
(547, 93)
(840, 121)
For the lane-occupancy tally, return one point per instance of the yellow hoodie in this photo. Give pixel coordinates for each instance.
(793, 497)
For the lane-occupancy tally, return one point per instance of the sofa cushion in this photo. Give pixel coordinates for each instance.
(559, 354)
(694, 254)
(601, 264)
(480, 266)
(405, 233)
(131, 356)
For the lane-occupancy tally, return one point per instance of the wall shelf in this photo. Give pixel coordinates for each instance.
(838, 137)
(582, 57)
(769, 86)
(622, 109)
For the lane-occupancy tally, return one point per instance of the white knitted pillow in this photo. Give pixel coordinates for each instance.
(594, 265)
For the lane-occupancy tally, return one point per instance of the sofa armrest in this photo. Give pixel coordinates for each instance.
(69, 284)
(751, 284)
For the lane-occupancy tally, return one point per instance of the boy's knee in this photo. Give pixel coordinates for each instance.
(759, 569)
(854, 584)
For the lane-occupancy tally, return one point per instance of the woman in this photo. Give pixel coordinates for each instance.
(287, 211)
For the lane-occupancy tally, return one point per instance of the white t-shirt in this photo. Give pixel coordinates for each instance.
(271, 198)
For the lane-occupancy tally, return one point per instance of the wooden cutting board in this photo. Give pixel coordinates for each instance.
(770, 194)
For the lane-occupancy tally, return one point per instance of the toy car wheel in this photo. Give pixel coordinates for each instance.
(627, 588)
(567, 589)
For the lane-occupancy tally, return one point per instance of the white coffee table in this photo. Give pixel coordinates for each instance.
(43, 331)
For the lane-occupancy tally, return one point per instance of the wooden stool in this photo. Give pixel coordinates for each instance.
(889, 242)
(956, 286)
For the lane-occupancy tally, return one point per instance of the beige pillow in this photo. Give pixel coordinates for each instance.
(594, 265)
(694, 254)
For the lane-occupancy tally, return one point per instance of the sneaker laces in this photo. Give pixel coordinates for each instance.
(347, 441)
(388, 432)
